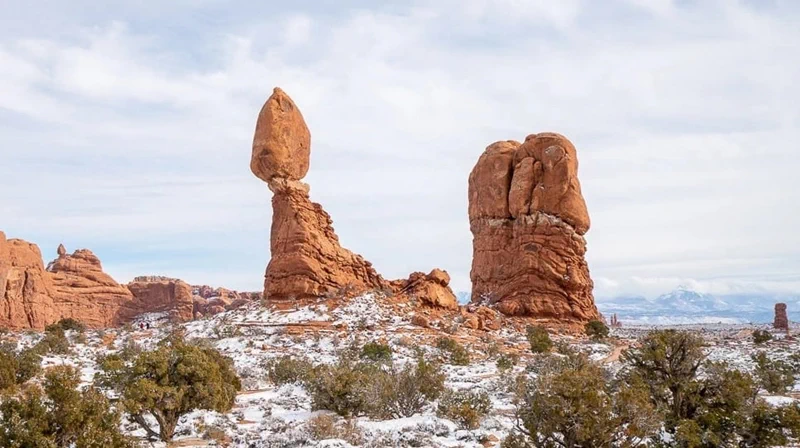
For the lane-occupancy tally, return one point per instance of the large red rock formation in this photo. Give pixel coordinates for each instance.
(528, 218)
(32, 297)
(307, 259)
(26, 292)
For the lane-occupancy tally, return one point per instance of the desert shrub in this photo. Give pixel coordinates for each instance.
(539, 339)
(340, 387)
(53, 342)
(515, 440)
(596, 329)
(466, 408)
(572, 401)
(29, 364)
(17, 368)
(719, 408)
(403, 392)
(376, 352)
(60, 416)
(171, 381)
(67, 324)
(507, 362)
(326, 426)
(454, 352)
(774, 376)
(761, 336)
(288, 370)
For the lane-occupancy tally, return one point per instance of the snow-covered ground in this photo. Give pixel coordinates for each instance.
(266, 415)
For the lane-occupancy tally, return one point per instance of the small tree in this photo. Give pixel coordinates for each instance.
(171, 381)
(596, 329)
(668, 361)
(571, 404)
(17, 368)
(61, 416)
(456, 353)
(774, 376)
(539, 339)
(465, 407)
(376, 352)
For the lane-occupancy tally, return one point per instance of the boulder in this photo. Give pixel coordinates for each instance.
(528, 217)
(282, 142)
(163, 295)
(432, 289)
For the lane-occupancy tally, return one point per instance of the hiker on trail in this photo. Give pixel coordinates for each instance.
(148, 325)
(141, 325)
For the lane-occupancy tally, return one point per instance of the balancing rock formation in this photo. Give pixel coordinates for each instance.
(307, 259)
(528, 217)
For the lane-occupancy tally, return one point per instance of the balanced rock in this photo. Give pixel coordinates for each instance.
(282, 142)
(528, 217)
(307, 259)
(781, 318)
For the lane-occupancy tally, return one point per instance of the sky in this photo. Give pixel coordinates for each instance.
(126, 128)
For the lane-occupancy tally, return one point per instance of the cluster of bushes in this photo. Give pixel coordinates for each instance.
(368, 384)
(165, 384)
(454, 353)
(667, 395)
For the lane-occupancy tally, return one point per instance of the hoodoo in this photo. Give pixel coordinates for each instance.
(307, 260)
(528, 218)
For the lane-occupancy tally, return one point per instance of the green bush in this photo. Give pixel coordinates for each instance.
(288, 370)
(539, 339)
(776, 377)
(507, 362)
(403, 392)
(572, 401)
(53, 342)
(464, 407)
(18, 368)
(61, 416)
(67, 324)
(596, 329)
(171, 381)
(761, 336)
(341, 387)
(455, 353)
(376, 352)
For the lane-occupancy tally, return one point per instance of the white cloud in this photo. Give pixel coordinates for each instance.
(138, 138)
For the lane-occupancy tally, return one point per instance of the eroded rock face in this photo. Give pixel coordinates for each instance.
(26, 292)
(163, 295)
(528, 218)
(307, 259)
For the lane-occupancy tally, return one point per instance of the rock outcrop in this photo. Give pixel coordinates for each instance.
(781, 318)
(75, 286)
(528, 218)
(26, 292)
(163, 295)
(307, 259)
(432, 289)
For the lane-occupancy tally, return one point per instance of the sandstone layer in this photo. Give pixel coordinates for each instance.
(307, 260)
(528, 217)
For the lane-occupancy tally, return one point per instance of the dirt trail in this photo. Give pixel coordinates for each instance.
(615, 354)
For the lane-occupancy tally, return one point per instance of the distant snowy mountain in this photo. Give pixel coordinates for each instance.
(684, 305)
(463, 297)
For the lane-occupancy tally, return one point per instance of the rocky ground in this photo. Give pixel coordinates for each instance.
(270, 416)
